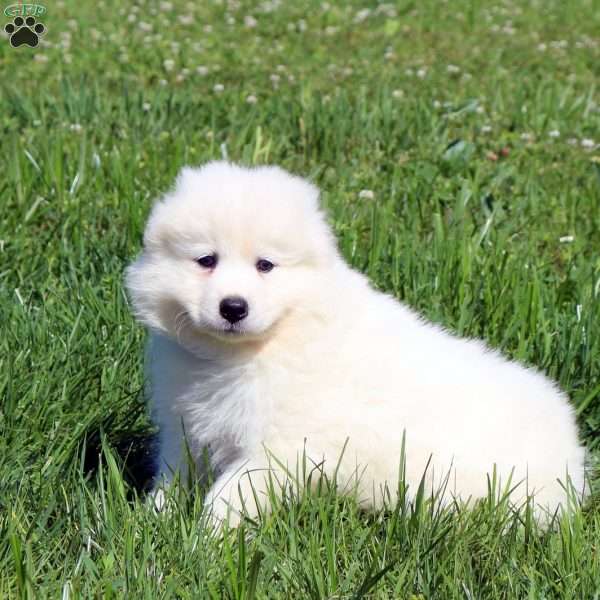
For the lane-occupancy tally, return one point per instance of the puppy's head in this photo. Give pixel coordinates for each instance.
(230, 253)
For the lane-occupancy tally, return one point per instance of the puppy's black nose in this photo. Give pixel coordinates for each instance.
(233, 308)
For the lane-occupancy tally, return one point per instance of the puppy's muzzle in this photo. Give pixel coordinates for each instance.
(233, 309)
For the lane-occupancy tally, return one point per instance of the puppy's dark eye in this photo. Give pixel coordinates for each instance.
(208, 262)
(263, 265)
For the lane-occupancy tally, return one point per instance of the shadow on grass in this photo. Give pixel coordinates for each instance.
(136, 454)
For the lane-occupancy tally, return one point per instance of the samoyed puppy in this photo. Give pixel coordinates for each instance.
(267, 349)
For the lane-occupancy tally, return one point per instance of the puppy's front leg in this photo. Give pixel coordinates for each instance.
(244, 488)
(170, 465)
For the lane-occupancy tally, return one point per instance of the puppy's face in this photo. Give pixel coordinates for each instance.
(229, 254)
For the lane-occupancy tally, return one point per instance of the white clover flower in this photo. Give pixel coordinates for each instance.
(162, 82)
(186, 19)
(202, 70)
(251, 99)
(207, 29)
(366, 194)
(146, 106)
(542, 47)
(572, 141)
(362, 15)
(218, 88)
(398, 93)
(555, 133)
(389, 55)
(486, 128)
(40, 58)
(331, 30)
(422, 73)
(302, 26)
(409, 72)
(587, 143)
(270, 6)
(250, 22)
(169, 64)
(526, 137)
(437, 104)
(145, 26)
(566, 239)
(230, 20)
(76, 127)
(388, 10)
(166, 6)
(274, 78)
(453, 69)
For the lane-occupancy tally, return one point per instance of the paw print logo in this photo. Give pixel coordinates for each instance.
(24, 31)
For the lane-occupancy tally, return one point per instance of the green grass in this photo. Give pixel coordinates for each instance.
(95, 124)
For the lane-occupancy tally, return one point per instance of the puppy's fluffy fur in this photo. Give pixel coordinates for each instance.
(321, 362)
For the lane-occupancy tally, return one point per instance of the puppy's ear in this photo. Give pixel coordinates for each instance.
(307, 190)
(297, 188)
(186, 178)
(157, 226)
(185, 175)
(161, 224)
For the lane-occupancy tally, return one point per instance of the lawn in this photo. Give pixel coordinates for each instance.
(457, 145)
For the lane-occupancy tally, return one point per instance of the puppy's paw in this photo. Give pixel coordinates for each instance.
(231, 500)
(221, 510)
(159, 500)
(219, 517)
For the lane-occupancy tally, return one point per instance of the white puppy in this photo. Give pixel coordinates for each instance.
(266, 344)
